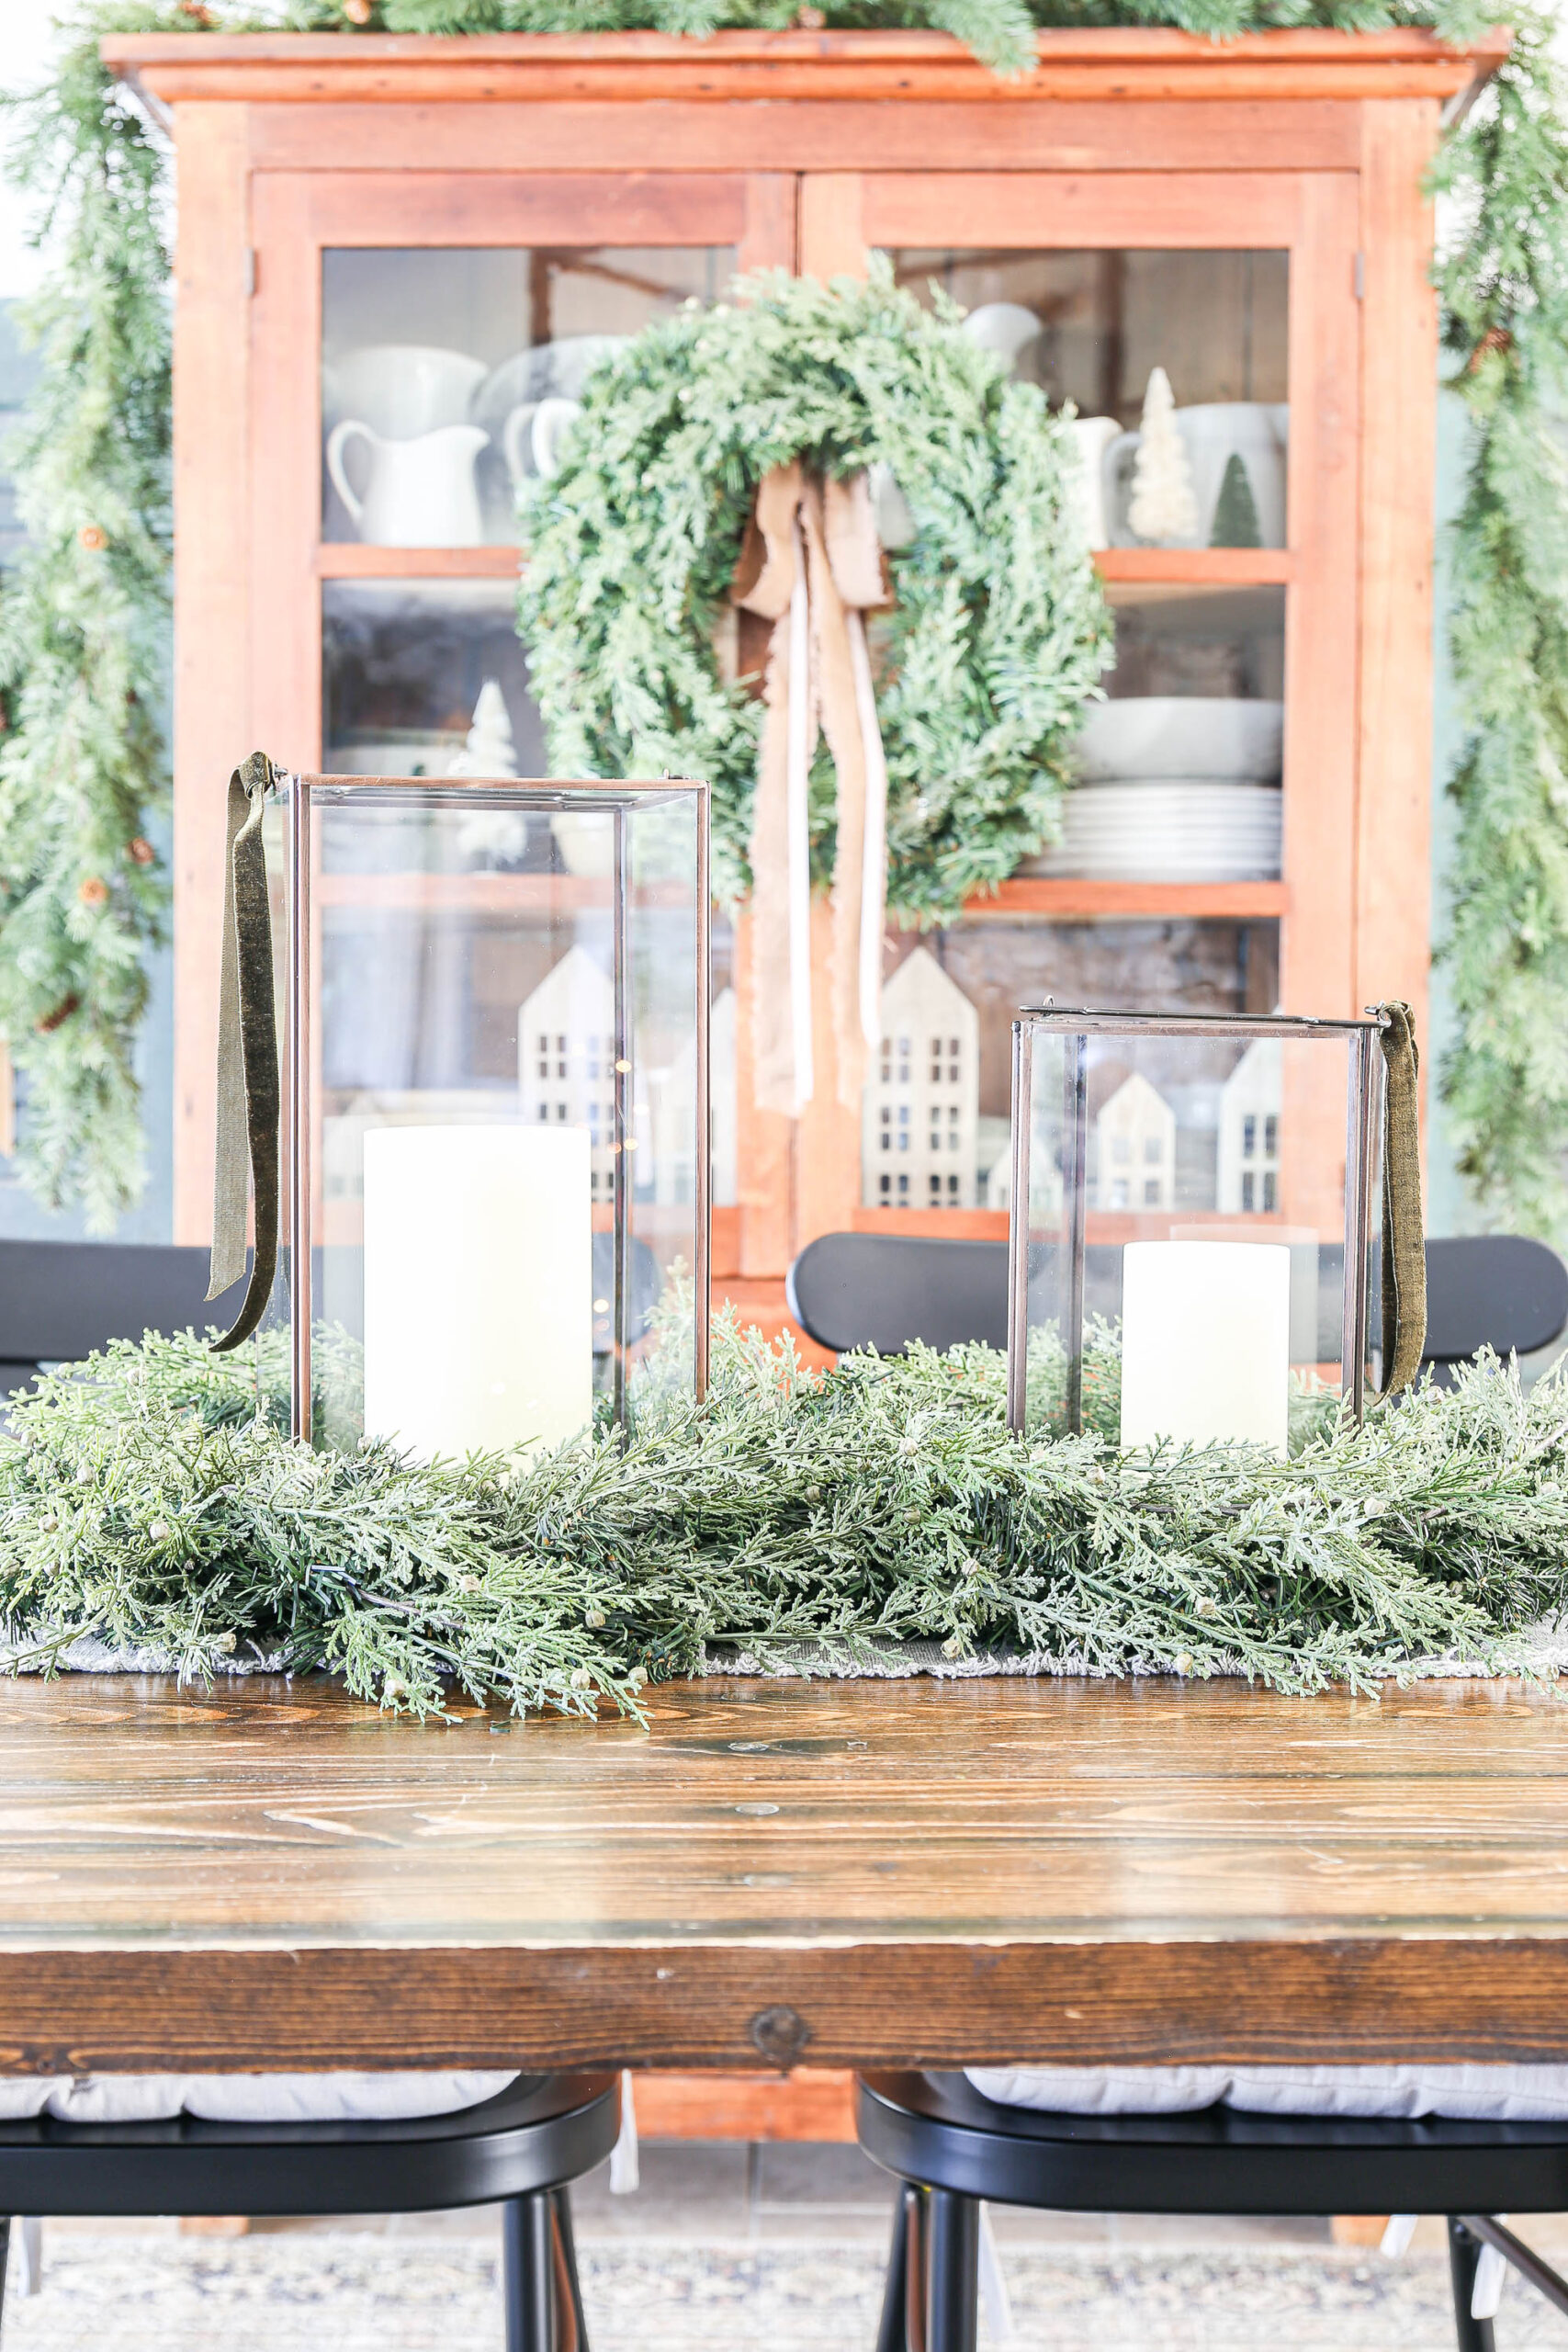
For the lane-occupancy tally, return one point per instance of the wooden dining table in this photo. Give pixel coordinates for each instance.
(271, 1874)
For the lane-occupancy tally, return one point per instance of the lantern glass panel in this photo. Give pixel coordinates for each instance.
(497, 1140)
(1189, 1226)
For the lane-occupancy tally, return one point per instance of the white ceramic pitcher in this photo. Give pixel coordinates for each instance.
(420, 493)
(401, 389)
(1093, 436)
(530, 439)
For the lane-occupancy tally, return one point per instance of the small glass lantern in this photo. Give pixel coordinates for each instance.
(1190, 1224)
(496, 1106)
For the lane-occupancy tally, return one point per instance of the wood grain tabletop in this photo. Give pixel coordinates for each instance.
(889, 1873)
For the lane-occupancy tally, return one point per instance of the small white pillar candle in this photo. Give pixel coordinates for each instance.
(478, 1287)
(1206, 1343)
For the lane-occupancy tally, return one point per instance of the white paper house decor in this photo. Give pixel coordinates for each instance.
(502, 1222)
(1177, 1176)
(918, 1132)
(1136, 1145)
(1249, 1180)
(566, 1058)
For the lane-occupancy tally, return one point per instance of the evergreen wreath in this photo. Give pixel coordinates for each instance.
(147, 1506)
(998, 633)
(82, 772)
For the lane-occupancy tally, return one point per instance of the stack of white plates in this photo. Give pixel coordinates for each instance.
(1170, 829)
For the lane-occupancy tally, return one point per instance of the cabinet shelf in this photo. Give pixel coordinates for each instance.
(1197, 567)
(349, 559)
(1027, 895)
(1064, 900)
(1178, 567)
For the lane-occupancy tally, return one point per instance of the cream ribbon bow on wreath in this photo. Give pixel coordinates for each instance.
(812, 564)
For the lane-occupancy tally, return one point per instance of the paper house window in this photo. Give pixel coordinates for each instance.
(918, 1135)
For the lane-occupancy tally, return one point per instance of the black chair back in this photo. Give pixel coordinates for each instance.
(1493, 1290)
(61, 1299)
(885, 1290)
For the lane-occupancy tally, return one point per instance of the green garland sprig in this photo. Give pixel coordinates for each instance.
(81, 622)
(145, 1502)
(999, 633)
(1505, 287)
(84, 651)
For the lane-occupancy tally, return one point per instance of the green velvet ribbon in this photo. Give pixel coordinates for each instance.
(1404, 1236)
(249, 1101)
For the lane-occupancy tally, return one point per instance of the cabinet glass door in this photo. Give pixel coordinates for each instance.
(1206, 854)
(449, 327)
(450, 373)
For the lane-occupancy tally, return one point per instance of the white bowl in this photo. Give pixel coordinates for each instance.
(1177, 735)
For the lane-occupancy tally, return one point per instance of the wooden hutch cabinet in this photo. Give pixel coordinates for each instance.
(395, 256)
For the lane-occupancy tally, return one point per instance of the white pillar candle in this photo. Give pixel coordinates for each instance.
(1206, 1343)
(478, 1287)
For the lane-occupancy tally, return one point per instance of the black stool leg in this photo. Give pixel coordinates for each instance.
(5, 2257)
(953, 2272)
(529, 2272)
(569, 2286)
(893, 2335)
(1464, 2252)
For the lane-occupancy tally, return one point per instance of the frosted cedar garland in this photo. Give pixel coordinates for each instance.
(149, 1503)
(83, 662)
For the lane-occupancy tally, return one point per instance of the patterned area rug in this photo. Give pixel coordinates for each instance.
(359, 2293)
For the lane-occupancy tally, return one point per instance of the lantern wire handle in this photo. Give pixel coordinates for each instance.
(1403, 1266)
(249, 1110)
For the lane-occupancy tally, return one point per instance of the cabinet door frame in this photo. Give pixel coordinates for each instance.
(251, 541)
(1315, 217)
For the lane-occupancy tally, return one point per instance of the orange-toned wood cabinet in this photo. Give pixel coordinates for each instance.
(395, 259)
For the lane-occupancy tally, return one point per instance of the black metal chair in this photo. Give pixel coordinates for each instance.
(952, 2148)
(519, 2150)
(60, 1301)
(884, 1290)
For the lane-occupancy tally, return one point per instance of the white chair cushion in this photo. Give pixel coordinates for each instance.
(1470, 2093)
(246, 2099)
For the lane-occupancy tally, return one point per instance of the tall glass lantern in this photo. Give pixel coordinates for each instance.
(496, 1106)
(1191, 1225)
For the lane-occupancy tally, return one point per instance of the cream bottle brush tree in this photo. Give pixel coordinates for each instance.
(1162, 506)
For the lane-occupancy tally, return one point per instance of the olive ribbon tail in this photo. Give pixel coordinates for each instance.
(249, 1103)
(1403, 1265)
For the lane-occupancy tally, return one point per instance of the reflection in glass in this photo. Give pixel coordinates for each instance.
(935, 1120)
(1091, 327)
(405, 665)
(1216, 642)
(448, 374)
